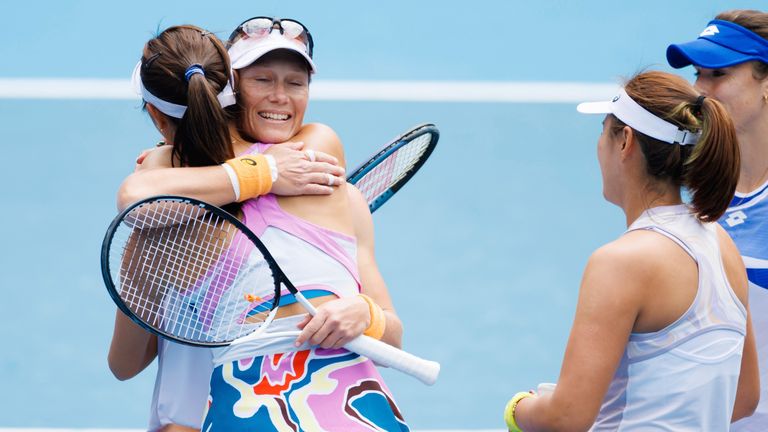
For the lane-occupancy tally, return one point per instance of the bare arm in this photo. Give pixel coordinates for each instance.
(373, 284)
(604, 320)
(748, 390)
(341, 320)
(132, 348)
(155, 175)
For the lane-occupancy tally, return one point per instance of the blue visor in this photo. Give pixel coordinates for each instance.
(721, 44)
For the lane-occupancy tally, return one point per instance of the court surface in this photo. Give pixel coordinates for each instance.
(482, 252)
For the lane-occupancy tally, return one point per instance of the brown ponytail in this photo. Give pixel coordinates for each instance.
(710, 168)
(202, 134)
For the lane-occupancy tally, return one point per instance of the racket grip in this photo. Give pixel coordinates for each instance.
(386, 355)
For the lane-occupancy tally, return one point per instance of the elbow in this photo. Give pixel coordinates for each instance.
(123, 367)
(121, 376)
(552, 415)
(569, 418)
(573, 424)
(751, 405)
(120, 372)
(746, 406)
(127, 194)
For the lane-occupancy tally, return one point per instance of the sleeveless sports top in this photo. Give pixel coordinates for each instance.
(746, 220)
(683, 377)
(316, 259)
(183, 372)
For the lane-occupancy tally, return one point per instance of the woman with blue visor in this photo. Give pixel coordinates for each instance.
(731, 60)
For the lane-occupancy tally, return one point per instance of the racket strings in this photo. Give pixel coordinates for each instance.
(394, 168)
(188, 272)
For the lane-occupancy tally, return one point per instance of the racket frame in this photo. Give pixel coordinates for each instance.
(424, 370)
(278, 275)
(390, 148)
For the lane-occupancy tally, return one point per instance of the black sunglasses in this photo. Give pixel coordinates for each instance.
(262, 26)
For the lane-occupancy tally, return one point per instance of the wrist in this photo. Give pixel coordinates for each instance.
(378, 321)
(509, 411)
(250, 176)
(272, 163)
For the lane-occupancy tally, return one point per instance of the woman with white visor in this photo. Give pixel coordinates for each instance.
(272, 68)
(662, 338)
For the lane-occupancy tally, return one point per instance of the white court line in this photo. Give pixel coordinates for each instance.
(340, 90)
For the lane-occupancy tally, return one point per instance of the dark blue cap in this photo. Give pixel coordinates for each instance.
(721, 44)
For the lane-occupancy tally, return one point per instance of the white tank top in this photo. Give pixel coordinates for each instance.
(683, 377)
(181, 385)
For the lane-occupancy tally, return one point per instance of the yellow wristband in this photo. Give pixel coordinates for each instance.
(378, 319)
(253, 175)
(509, 411)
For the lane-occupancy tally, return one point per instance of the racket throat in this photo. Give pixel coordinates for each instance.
(259, 331)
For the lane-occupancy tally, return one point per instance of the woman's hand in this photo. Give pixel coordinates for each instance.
(304, 172)
(336, 323)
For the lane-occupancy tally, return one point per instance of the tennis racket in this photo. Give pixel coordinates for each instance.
(394, 165)
(191, 272)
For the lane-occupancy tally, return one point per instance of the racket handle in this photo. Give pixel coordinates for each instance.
(387, 355)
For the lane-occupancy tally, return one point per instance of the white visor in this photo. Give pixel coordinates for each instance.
(640, 119)
(247, 50)
(226, 97)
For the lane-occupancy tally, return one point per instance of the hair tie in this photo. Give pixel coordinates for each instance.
(193, 69)
(148, 62)
(698, 104)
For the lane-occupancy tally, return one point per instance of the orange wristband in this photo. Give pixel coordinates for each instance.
(378, 319)
(253, 176)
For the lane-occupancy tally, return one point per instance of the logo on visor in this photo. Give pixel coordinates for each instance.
(710, 31)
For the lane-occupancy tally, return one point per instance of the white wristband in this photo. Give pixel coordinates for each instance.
(272, 167)
(233, 179)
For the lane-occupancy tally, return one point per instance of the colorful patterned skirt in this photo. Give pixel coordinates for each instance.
(312, 390)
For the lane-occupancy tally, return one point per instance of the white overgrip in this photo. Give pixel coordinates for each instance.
(387, 355)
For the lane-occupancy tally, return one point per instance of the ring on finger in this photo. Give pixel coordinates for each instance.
(310, 155)
(331, 180)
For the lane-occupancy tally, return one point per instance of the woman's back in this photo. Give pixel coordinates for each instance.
(684, 375)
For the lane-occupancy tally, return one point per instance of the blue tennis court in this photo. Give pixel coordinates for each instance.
(482, 252)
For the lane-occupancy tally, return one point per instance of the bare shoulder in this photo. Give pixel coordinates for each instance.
(317, 136)
(358, 205)
(160, 157)
(631, 261)
(628, 253)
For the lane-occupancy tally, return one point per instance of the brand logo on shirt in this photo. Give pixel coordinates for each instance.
(736, 218)
(710, 31)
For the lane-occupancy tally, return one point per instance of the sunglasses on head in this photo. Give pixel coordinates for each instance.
(262, 26)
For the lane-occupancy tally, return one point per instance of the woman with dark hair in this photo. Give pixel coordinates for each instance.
(662, 337)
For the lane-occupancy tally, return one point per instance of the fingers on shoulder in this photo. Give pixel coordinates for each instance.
(160, 157)
(319, 137)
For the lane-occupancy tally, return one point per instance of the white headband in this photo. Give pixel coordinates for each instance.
(226, 97)
(640, 119)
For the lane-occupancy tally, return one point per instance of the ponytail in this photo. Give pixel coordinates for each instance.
(712, 170)
(202, 135)
(709, 170)
(189, 66)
